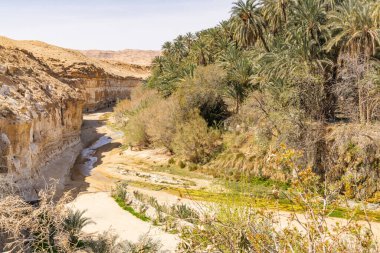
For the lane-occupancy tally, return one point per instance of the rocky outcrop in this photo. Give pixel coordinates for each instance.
(43, 92)
(40, 118)
(100, 82)
(100, 89)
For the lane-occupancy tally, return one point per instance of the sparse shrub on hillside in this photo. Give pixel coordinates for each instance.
(195, 141)
(105, 243)
(48, 226)
(354, 158)
(181, 164)
(184, 212)
(108, 242)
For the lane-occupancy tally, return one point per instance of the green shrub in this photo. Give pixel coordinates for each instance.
(184, 212)
(193, 167)
(135, 132)
(205, 92)
(195, 141)
(120, 191)
(145, 244)
(182, 164)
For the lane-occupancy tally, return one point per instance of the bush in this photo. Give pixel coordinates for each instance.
(235, 228)
(120, 191)
(195, 141)
(184, 212)
(182, 164)
(135, 132)
(204, 92)
(161, 118)
(145, 245)
(140, 99)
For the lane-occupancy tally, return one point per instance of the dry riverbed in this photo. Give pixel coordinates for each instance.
(105, 162)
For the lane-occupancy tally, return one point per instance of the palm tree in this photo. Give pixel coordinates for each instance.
(167, 48)
(275, 13)
(248, 23)
(158, 63)
(355, 31)
(240, 73)
(179, 50)
(307, 20)
(189, 39)
(356, 34)
(74, 223)
(201, 51)
(226, 28)
(376, 13)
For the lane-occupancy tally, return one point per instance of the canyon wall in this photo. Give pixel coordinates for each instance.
(102, 90)
(40, 118)
(43, 92)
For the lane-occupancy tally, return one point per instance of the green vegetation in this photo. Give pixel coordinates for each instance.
(130, 209)
(252, 195)
(120, 194)
(281, 101)
(279, 87)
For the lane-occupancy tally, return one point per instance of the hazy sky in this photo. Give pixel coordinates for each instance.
(108, 24)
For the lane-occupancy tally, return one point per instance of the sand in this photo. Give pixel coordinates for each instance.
(108, 216)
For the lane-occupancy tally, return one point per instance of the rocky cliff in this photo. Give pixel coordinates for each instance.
(43, 91)
(101, 82)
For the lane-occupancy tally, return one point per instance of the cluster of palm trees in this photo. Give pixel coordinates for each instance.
(301, 44)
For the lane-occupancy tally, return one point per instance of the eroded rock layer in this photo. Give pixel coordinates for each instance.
(40, 117)
(43, 91)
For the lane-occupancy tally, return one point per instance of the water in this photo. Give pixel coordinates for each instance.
(88, 155)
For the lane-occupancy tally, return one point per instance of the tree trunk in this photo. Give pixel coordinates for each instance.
(362, 116)
(237, 104)
(264, 42)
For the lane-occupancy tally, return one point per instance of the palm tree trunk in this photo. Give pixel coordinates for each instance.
(264, 43)
(237, 105)
(362, 116)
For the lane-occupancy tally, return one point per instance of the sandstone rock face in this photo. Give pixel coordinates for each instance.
(40, 117)
(100, 82)
(43, 91)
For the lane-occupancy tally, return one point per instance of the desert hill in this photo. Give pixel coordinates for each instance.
(128, 56)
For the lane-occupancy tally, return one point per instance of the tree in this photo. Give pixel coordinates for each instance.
(240, 73)
(354, 29)
(275, 13)
(248, 23)
(158, 63)
(201, 52)
(356, 34)
(167, 48)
